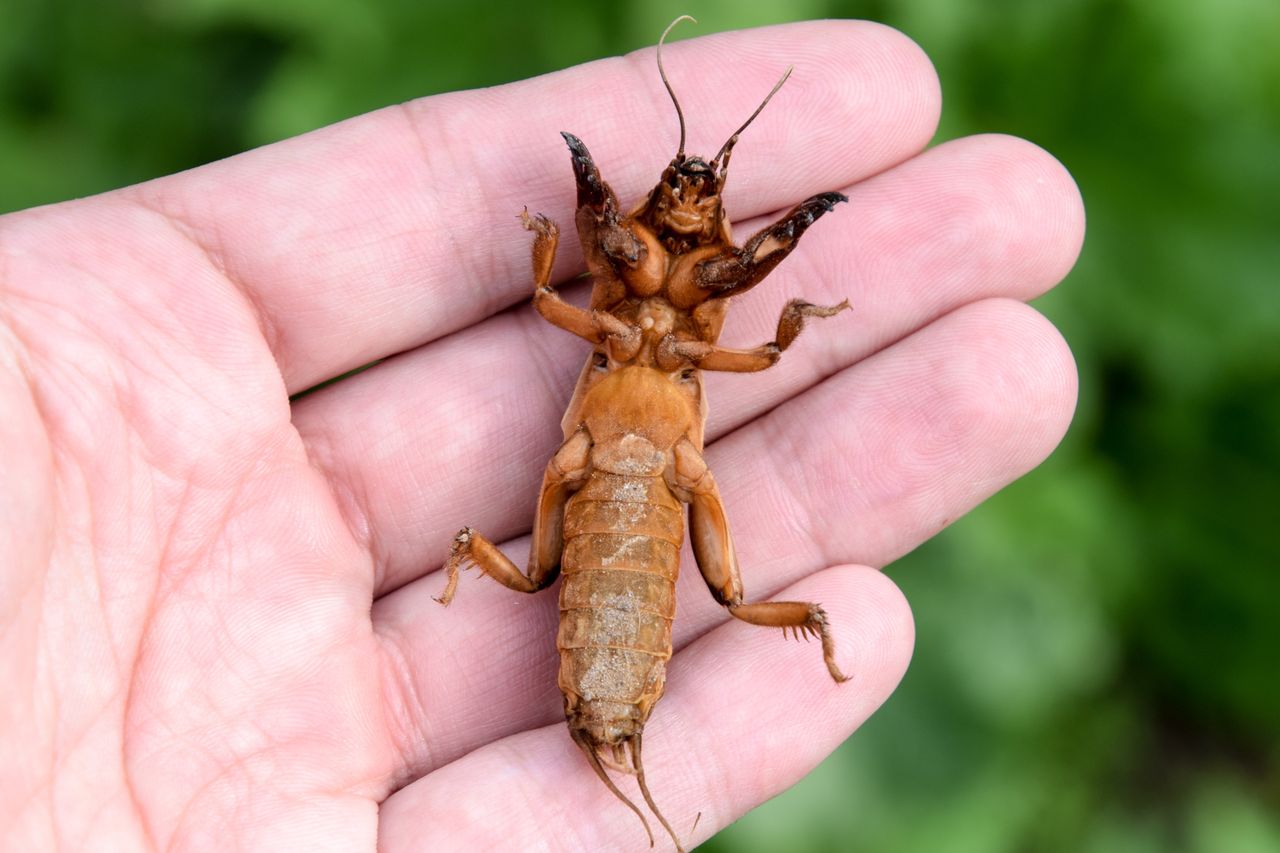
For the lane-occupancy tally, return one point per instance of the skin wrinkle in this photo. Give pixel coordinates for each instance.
(131, 672)
(32, 579)
(44, 785)
(457, 265)
(556, 381)
(441, 163)
(802, 516)
(426, 727)
(179, 820)
(706, 722)
(216, 260)
(106, 807)
(203, 555)
(352, 507)
(404, 706)
(67, 744)
(532, 799)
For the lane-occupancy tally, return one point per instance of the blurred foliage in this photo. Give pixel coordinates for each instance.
(1096, 663)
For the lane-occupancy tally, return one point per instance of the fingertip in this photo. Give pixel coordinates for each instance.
(873, 625)
(1016, 195)
(1019, 373)
(910, 84)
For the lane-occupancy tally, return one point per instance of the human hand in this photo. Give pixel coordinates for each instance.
(217, 626)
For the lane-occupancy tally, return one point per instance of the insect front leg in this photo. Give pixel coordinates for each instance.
(567, 470)
(713, 550)
(606, 243)
(738, 270)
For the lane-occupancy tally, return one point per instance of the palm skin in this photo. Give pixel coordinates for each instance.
(217, 625)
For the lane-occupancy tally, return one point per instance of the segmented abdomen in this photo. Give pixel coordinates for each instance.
(622, 537)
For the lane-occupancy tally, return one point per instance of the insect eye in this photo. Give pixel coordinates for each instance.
(600, 361)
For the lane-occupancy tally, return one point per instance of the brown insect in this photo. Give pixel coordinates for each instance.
(609, 513)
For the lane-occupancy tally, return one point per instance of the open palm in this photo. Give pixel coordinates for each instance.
(217, 626)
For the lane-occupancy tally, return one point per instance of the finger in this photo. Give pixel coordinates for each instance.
(859, 469)
(459, 431)
(374, 235)
(704, 749)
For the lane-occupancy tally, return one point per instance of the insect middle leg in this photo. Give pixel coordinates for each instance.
(713, 550)
(566, 470)
(708, 356)
(592, 325)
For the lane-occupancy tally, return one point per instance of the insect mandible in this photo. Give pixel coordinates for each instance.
(609, 514)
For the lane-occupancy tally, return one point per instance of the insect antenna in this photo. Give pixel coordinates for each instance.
(644, 789)
(589, 748)
(662, 72)
(727, 148)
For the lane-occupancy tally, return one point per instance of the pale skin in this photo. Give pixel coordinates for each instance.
(216, 625)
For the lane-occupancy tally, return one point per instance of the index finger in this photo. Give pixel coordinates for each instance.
(385, 231)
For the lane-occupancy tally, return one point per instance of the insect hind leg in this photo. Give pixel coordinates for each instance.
(714, 553)
(804, 618)
(567, 469)
(471, 549)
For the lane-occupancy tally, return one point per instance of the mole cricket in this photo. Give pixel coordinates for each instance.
(610, 512)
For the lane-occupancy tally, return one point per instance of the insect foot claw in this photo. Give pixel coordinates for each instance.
(458, 553)
(830, 200)
(538, 223)
(817, 623)
(810, 209)
(463, 539)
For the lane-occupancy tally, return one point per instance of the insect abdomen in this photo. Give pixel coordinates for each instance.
(622, 537)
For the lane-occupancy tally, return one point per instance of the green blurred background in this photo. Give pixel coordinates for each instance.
(1096, 663)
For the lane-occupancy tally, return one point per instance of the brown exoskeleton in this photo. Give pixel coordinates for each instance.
(609, 513)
